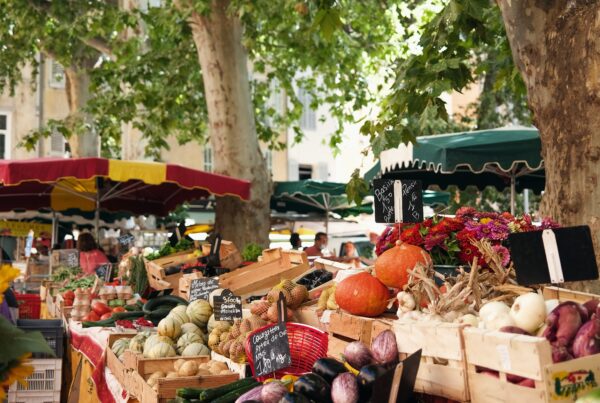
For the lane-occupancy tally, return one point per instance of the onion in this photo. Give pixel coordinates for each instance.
(406, 302)
(358, 354)
(592, 306)
(272, 392)
(528, 311)
(385, 348)
(551, 304)
(514, 330)
(493, 309)
(564, 322)
(587, 340)
(469, 319)
(344, 389)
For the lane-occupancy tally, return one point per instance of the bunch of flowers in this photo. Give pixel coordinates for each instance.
(449, 239)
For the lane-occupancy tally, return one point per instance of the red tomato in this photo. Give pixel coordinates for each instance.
(100, 308)
(68, 294)
(118, 309)
(68, 302)
(106, 316)
(91, 317)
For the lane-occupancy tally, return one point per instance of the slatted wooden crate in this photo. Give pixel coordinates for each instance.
(185, 282)
(352, 327)
(156, 269)
(118, 368)
(229, 255)
(443, 369)
(258, 278)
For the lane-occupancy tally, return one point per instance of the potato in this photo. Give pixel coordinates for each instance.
(157, 374)
(152, 381)
(204, 365)
(188, 368)
(218, 365)
(203, 372)
(225, 372)
(178, 364)
(172, 375)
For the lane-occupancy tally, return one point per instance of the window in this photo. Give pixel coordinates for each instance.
(305, 172)
(4, 136)
(57, 75)
(208, 158)
(144, 5)
(57, 144)
(269, 159)
(308, 120)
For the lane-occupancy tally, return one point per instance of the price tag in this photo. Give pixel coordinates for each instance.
(227, 306)
(270, 349)
(105, 272)
(200, 288)
(398, 201)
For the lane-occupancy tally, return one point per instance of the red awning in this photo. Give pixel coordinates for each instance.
(138, 187)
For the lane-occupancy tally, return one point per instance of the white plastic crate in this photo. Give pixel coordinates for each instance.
(46, 378)
(23, 396)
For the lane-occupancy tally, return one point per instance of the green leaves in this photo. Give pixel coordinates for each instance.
(327, 21)
(21, 342)
(357, 189)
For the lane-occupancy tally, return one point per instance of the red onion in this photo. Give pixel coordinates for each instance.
(272, 392)
(514, 329)
(344, 389)
(591, 306)
(358, 354)
(385, 348)
(563, 323)
(587, 340)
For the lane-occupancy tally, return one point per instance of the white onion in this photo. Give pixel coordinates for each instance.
(529, 311)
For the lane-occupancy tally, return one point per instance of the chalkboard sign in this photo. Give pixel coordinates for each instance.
(105, 272)
(126, 239)
(65, 258)
(200, 288)
(227, 306)
(270, 349)
(553, 255)
(398, 201)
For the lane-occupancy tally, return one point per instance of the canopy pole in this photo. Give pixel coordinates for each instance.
(526, 201)
(54, 229)
(512, 193)
(97, 219)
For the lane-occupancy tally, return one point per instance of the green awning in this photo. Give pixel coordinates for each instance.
(311, 196)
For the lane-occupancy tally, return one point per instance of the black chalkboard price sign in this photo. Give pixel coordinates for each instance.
(227, 306)
(398, 201)
(270, 349)
(200, 288)
(105, 272)
(125, 240)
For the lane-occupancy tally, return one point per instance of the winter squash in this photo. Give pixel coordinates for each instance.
(199, 311)
(214, 293)
(191, 328)
(169, 327)
(119, 346)
(391, 267)
(195, 349)
(136, 343)
(161, 350)
(187, 339)
(362, 294)
(180, 316)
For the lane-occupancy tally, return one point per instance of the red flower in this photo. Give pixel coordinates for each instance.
(447, 225)
(412, 235)
(467, 254)
(427, 223)
(432, 240)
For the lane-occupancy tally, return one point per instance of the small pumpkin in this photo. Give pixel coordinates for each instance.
(169, 327)
(136, 343)
(191, 328)
(362, 294)
(392, 266)
(153, 340)
(195, 349)
(198, 312)
(187, 339)
(119, 346)
(181, 317)
(161, 350)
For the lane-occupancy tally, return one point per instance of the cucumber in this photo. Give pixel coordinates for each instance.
(127, 315)
(208, 395)
(159, 313)
(110, 322)
(154, 303)
(231, 397)
(188, 393)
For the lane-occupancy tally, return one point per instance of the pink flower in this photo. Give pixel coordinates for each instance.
(503, 253)
(433, 240)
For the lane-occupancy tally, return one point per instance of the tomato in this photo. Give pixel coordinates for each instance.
(68, 302)
(118, 309)
(106, 316)
(68, 295)
(91, 317)
(100, 308)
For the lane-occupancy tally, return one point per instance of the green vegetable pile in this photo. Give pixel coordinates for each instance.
(137, 275)
(64, 273)
(251, 252)
(83, 282)
(223, 394)
(167, 249)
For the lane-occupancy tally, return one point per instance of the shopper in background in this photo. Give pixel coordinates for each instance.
(90, 257)
(296, 241)
(350, 254)
(320, 246)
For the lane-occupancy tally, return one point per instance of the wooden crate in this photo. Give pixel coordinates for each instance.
(352, 327)
(229, 255)
(336, 346)
(185, 282)
(137, 362)
(307, 314)
(118, 368)
(443, 368)
(156, 271)
(243, 370)
(274, 266)
(563, 294)
(166, 388)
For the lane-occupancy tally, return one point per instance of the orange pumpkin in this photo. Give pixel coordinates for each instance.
(391, 267)
(362, 294)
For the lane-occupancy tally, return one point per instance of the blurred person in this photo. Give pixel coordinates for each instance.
(295, 241)
(350, 254)
(319, 247)
(90, 257)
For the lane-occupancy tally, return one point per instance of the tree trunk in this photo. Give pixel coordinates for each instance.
(556, 46)
(77, 87)
(231, 120)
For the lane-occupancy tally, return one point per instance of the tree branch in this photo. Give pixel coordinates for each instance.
(100, 45)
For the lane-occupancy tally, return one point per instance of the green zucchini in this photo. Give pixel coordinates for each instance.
(208, 395)
(127, 315)
(154, 303)
(188, 393)
(159, 313)
(231, 397)
(110, 322)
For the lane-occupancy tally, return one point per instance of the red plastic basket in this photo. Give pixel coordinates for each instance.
(307, 345)
(29, 306)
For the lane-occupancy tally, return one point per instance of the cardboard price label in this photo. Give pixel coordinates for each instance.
(270, 349)
(227, 306)
(200, 288)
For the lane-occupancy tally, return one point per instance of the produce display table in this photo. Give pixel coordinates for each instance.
(92, 381)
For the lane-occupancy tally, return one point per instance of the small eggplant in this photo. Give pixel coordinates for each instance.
(328, 368)
(366, 378)
(294, 397)
(314, 387)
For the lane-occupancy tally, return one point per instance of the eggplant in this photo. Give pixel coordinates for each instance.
(314, 387)
(172, 270)
(328, 368)
(294, 397)
(366, 378)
